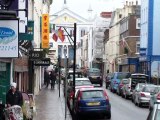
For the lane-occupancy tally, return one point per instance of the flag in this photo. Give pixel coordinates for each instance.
(55, 36)
(61, 34)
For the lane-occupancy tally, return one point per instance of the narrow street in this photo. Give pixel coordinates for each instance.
(123, 109)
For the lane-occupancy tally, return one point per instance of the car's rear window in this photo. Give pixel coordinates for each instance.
(157, 116)
(148, 89)
(82, 82)
(123, 75)
(92, 94)
(125, 81)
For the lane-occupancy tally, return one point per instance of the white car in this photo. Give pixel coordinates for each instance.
(143, 97)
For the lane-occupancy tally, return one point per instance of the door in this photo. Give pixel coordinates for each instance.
(4, 80)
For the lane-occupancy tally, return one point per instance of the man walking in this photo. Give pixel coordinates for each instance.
(53, 79)
(14, 97)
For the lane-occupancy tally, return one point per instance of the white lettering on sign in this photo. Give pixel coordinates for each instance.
(35, 55)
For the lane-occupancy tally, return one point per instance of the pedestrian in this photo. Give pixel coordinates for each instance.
(14, 97)
(47, 78)
(53, 79)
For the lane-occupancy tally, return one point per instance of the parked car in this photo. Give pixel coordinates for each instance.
(108, 79)
(92, 101)
(137, 89)
(143, 97)
(95, 76)
(79, 83)
(132, 82)
(155, 97)
(123, 82)
(78, 74)
(116, 78)
(154, 114)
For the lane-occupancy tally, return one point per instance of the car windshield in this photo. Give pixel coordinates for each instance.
(148, 89)
(157, 117)
(82, 82)
(92, 94)
(125, 81)
(94, 74)
(123, 75)
(77, 75)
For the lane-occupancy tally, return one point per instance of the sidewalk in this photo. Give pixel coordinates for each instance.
(50, 106)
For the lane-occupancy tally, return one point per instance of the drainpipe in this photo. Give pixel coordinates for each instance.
(11, 71)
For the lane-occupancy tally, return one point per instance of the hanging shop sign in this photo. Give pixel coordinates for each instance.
(45, 31)
(34, 55)
(42, 62)
(9, 36)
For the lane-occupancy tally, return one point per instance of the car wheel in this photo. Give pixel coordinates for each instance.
(136, 104)
(139, 104)
(126, 97)
(109, 115)
(150, 108)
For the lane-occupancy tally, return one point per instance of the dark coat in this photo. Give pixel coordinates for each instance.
(14, 99)
(53, 77)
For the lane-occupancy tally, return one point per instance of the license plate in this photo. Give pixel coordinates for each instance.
(93, 103)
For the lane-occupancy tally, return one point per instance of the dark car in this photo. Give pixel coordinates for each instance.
(108, 79)
(89, 101)
(95, 76)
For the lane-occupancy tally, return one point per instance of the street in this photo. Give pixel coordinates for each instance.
(123, 109)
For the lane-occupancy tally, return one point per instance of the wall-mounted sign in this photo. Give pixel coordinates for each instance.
(9, 30)
(34, 55)
(42, 62)
(143, 51)
(45, 31)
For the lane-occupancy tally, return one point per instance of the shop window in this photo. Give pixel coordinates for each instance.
(3, 70)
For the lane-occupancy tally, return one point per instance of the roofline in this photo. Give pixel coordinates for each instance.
(71, 12)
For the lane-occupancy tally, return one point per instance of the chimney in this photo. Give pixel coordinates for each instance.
(127, 3)
(136, 2)
(132, 2)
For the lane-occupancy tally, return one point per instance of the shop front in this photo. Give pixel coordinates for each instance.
(5, 70)
(129, 64)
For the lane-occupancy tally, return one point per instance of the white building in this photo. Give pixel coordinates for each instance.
(65, 19)
(36, 9)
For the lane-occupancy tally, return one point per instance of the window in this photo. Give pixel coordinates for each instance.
(92, 94)
(3, 70)
(138, 47)
(138, 23)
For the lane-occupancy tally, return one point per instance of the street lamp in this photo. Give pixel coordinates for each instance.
(65, 57)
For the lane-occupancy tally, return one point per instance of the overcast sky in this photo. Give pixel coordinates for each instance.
(81, 6)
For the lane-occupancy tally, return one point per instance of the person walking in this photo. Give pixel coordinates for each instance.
(47, 78)
(53, 79)
(14, 97)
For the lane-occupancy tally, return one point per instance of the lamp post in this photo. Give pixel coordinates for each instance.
(65, 56)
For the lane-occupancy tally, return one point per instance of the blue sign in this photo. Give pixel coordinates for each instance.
(9, 38)
(143, 51)
(7, 35)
